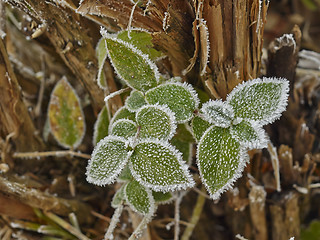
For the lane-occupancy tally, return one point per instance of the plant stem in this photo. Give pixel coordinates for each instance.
(195, 216)
(142, 225)
(177, 217)
(114, 221)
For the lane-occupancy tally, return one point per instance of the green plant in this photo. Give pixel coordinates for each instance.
(146, 146)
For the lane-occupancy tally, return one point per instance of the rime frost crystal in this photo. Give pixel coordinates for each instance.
(135, 101)
(156, 122)
(261, 100)
(159, 166)
(124, 128)
(218, 113)
(101, 126)
(220, 160)
(107, 160)
(132, 66)
(250, 135)
(139, 198)
(181, 98)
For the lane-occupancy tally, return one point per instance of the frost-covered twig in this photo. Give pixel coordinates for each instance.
(114, 221)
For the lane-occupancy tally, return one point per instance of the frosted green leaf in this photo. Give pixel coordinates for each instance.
(218, 113)
(131, 65)
(141, 39)
(220, 160)
(101, 53)
(101, 126)
(123, 128)
(156, 122)
(125, 175)
(181, 98)
(250, 134)
(139, 198)
(107, 160)
(66, 119)
(261, 100)
(199, 126)
(184, 147)
(162, 198)
(159, 166)
(123, 113)
(118, 198)
(135, 101)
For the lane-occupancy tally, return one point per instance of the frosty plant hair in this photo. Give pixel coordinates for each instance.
(146, 146)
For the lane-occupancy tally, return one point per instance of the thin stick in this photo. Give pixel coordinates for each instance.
(177, 217)
(50, 154)
(195, 216)
(142, 225)
(114, 221)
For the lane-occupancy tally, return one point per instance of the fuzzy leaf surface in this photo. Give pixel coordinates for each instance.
(142, 40)
(159, 166)
(162, 198)
(218, 113)
(66, 119)
(260, 100)
(139, 198)
(199, 126)
(135, 101)
(181, 98)
(101, 126)
(220, 160)
(134, 67)
(101, 53)
(156, 122)
(124, 128)
(107, 161)
(249, 134)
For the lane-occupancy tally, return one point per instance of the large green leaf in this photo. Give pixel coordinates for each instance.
(101, 53)
(139, 198)
(107, 160)
(199, 126)
(101, 126)
(181, 98)
(220, 160)
(159, 166)
(66, 119)
(124, 128)
(135, 101)
(250, 134)
(131, 65)
(142, 40)
(156, 122)
(218, 113)
(261, 100)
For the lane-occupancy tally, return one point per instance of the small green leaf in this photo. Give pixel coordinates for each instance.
(181, 98)
(220, 160)
(162, 198)
(101, 126)
(203, 96)
(184, 147)
(135, 101)
(123, 113)
(123, 128)
(107, 160)
(118, 197)
(312, 232)
(218, 113)
(250, 135)
(260, 100)
(125, 175)
(183, 133)
(156, 122)
(131, 65)
(139, 198)
(199, 126)
(101, 53)
(142, 40)
(159, 166)
(65, 115)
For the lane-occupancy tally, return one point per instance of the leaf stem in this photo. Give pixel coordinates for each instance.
(142, 225)
(177, 216)
(50, 154)
(195, 216)
(114, 221)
